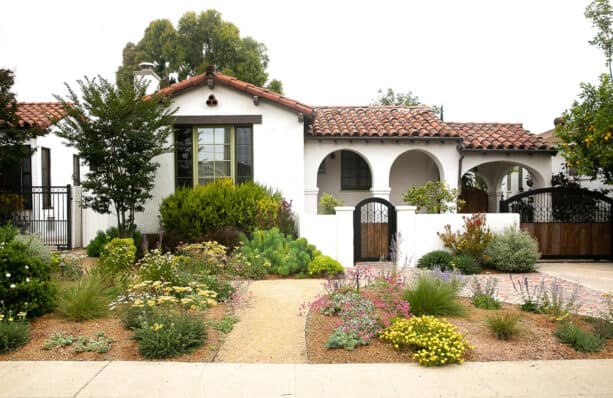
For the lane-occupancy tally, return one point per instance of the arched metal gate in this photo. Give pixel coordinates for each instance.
(374, 225)
(568, 223)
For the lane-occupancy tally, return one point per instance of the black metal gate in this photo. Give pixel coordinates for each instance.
(567, 222)
(43, 211)
(374, 225)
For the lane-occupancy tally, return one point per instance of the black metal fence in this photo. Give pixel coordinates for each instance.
(40, 210)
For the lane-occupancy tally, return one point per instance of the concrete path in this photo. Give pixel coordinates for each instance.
(585, 378)
(270, 329)
(594, 275)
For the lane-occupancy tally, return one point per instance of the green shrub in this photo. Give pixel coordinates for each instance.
(472, 241)
(486, 302)
(601, 327)
(170, 334)
(276, 253)
(36, 247)
(117, 258)
(99, 344)
(579, 339)
(7, 233)
(190, 214)
(225, 324)
(436, 259)
(327, 203)
(466, 264)
(434, 196)
(211, 258)
(324, 265)
(484, 296)
(503, 325)
(435, 342)
(13, 333)
(512, 251)
(222, 287)
(347, 340)
(433, 296)
(95, 246)
(158, 266)
(84, 300)
(24, 279)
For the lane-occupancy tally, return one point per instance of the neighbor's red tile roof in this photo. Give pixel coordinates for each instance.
(498, 136)
(378, 121)
(240, 85)
(41, 114)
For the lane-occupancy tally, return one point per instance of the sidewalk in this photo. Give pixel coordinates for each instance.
(586, 378)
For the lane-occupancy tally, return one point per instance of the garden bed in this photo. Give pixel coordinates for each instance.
(123, 347)
(535, 342)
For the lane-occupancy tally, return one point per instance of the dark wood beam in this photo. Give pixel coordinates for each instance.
(219, 119)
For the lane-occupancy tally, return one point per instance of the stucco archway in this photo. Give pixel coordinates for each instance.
(413, 167)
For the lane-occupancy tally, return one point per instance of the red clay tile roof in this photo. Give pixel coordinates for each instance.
(498, 136)
(378, 121)
(41, 114)
(220, 78)
(549, 137)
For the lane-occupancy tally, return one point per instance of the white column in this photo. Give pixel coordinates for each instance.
(344, 235)
(493, 201)
(406, 228)
(75, 211)
(383, 193)
(310, 200)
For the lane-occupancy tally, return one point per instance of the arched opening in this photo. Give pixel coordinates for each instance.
(413, 167)
(346, 175)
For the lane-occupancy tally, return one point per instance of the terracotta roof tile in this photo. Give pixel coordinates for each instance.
(498, 136)
(220, 78)
(378, 121)
(41, 114)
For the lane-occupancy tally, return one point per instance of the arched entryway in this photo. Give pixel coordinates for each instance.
(374, 226)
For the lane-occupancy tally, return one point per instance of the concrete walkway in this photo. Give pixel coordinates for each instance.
(270, 330)
(594, 275)
(585, 378)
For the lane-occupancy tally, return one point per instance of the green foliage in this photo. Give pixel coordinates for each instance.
(579, 339)
(226, 323)
(85, 300)
(170, 334)
(503, 325)
(391, 98)
(347, 340)
(24, 278)
(190, 214)
(429, 295)
(472, 241)
(601, 327)
(158, 266)
(324, 265)
(486, 302)
(273, 252)
(465, 263)
(13, 333)
(327, 203)
(117, 258)
(275, 86)
(118, 132)
(434, 196)
(99, 344)
(512, 251)
(36, 247)
(13, 139)
(586, 131)
(484, 296)
(7, 233)
(95, 246)
(439, 259)
(222, 287)
(435, 342)
(211, 258)
(198, 40)
(600, 13)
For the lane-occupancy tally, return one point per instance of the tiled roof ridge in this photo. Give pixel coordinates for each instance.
(41, 114)
(519, 124)
(372, 107)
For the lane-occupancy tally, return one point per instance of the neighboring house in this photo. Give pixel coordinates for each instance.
(558, 165)
(42, 179)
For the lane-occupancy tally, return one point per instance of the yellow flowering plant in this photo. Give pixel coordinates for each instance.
(435, 342)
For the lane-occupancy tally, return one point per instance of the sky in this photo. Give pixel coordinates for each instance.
(484, 61)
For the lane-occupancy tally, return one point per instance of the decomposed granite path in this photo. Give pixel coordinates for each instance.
(270, 329)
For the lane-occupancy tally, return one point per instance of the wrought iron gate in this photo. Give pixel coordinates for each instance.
(568, 223)
(44, 211)
(374, 225)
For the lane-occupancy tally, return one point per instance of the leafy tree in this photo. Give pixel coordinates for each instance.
(601, 15)
(198, 40)
(276, 86)
(392, 98)
(12, 136)
(118, 133)
(434, 196)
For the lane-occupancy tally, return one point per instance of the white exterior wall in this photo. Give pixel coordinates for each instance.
(380, 156)
(557, 166)
(61, 159)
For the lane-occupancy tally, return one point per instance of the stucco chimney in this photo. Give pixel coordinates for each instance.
(146, 74)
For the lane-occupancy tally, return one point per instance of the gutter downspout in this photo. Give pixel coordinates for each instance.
(460, 168)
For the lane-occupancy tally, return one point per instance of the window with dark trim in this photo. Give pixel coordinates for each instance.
(184, 147)
(45, 172)
(19, 180)
(76, 170)
(355, 173)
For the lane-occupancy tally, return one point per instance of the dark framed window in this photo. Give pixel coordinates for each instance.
(184, 157)
(19, 179)
(243, 148)
(355, 173)
(45, 172)
(76, 170)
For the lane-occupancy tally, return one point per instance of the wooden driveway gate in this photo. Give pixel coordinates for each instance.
(567, 223)
(374, 225)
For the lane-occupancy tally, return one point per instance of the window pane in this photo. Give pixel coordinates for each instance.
(244, 154)
(355, 173)
(184, 168)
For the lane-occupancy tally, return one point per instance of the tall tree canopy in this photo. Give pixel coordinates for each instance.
(118, 133)
(198, 40)
(392, 98)
(586, 129)
(12, 137)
